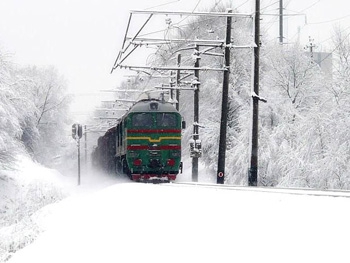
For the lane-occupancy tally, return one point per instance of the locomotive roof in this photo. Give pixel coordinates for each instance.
(150, 104)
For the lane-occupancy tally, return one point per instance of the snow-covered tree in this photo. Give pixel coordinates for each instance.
(33, 107)
(10, 114)
(44, 128)
(302, 128)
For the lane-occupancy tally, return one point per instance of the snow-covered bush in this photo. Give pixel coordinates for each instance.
(24, 191)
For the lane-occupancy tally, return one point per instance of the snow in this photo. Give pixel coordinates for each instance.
(114, 220)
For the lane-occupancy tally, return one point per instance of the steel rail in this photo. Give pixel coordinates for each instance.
(271, 190)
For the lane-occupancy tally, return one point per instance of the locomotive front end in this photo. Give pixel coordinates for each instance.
(154, 141)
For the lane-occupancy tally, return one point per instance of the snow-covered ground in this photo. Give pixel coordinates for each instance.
(110, 219)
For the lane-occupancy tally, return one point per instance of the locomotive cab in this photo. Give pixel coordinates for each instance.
(153, 141)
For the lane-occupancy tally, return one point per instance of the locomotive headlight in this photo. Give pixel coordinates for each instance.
(153, 153)
(153, 106)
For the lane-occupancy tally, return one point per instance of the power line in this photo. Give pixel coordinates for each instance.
(262, 9)
(242, 4)
(345, 38)
(320, 41)
(217, 3)
(310, 6)
(194, 9)
(329, 21)
(162, 4)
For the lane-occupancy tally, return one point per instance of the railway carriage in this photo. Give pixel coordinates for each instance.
(146, 143)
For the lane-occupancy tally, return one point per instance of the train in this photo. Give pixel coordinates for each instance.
(145, 144)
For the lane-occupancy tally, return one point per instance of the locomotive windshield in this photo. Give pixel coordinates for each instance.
(166, 119)
(142, 120)
(148, 120)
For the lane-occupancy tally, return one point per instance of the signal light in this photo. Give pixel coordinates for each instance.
(77, 131)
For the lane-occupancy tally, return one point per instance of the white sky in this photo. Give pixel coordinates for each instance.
(82, 37)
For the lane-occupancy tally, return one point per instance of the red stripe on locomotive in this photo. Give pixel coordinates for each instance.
(154, 131)
(161, 147)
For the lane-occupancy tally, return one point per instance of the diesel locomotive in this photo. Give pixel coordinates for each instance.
(145, 144)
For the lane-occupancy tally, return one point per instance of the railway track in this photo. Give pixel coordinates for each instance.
(272, 190)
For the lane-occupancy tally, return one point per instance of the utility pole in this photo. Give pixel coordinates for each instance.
(85, 137)
(78, 145)
(178, 82)
(220, 179)
(281, 22)
(196, 118)
(311, 47)
(77, 132)
(171, 86)
(253, 171)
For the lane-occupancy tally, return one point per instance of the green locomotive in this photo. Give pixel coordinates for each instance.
(145, 144)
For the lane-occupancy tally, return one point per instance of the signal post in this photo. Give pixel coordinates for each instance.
(77, 133)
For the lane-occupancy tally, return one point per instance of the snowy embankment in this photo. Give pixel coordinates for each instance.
(23, 191)
(135, 222)
(27, 188)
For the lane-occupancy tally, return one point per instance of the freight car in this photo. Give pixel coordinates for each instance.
(145, 144)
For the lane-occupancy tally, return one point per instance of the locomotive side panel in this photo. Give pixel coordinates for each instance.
(105, 152)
